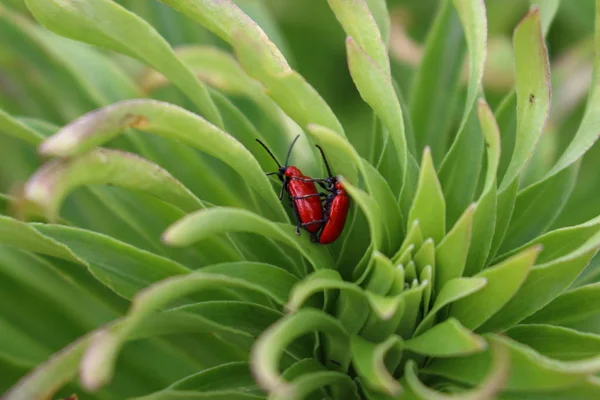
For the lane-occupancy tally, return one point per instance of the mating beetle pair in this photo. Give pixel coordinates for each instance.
(325, 221)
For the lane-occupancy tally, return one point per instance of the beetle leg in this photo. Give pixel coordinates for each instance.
(318, 221)
(296, 216)
(308, 196)
(296, 178)
(283, 188)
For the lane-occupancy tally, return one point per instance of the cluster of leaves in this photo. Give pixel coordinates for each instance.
(167, 255)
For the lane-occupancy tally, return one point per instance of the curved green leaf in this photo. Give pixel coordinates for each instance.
(339, 383)
(22, 236)
(359, 24)
(99, 361)
(577, 309)
(376, 88)
(11, 126)
(503, 281)
(380, 238)
(459, 169)
(452, 291)
(560, 242)
(369, 360)
(488, 388)
(529, 370)
(436, 81)
(269, 347)
(557, 342)
(262, 60)
(532, 74)
(49, 186)
(484, 219)
(537, 207)
(381, 16)
(446, 339)
(106, 24)
(121, 267)
(165, 120)
(208, 223)
(542, 285)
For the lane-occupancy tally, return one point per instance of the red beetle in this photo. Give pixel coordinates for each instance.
(305, 200)
(335, 207)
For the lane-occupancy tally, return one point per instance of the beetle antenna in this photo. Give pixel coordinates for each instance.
(325, 159)
(271, 154)
(287, 157)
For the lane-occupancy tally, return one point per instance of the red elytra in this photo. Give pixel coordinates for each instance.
(304, 196)
(336, 210)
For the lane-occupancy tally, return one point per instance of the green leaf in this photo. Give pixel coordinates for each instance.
(51, 375)
(559, 181)
(269, 347)
(360, 25)
(276, 281)
(99, 363)
(380, 238)
(233, 376)
(13, 127)
(108, 25)
(412, 241)
(537, 207)
(451, 253)
(587, 133)
(452, 291)
(577, 309)
(425, 255)
(380, 190)
(340, 384)
(548, 11)
(432, 98)
(123, 268)
(218, 69)
(542, 285)
(192, 395)
(459, 170)
(446, 339)
(532, 74)
(208, 223)
(556, 342)
(412, 305)
(56, 179)
(560, 242)
(429, 207)
(262, 61)
(229, 22)
(22, 236)
(484, 219)
(503, 281)
(382, 18)
(375, 87)
(504, 209)
(586, 389)
(472, 14)
(164, 120)
(369, 360)
(488, 388)
(380, 279)
(529, 370)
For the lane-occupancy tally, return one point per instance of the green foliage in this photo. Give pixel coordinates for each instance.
(144, 254)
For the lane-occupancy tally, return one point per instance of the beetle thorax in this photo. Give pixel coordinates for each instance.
(293, 172)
